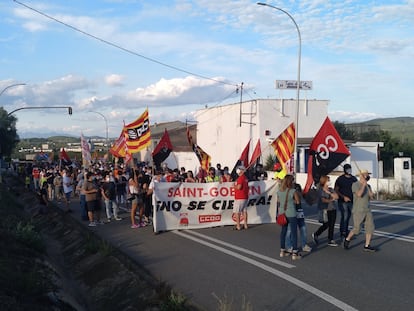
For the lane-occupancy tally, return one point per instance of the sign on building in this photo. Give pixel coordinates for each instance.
(292, 84)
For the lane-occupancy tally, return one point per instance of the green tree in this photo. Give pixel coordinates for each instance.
(343, 131)
(392, 148)
(8, 133)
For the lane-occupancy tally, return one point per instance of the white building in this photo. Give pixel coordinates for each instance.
(224, 131)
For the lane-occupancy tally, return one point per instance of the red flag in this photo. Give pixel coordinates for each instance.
(63, 156)
(256, 154)
(326, 152)
(138, 134)
(162, 150)
(243, 160)
(284, 145)
(202, 156)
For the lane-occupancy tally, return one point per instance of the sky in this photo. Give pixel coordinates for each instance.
(111, 59)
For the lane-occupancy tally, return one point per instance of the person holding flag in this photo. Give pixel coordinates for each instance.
(361, 212)
(343, 186)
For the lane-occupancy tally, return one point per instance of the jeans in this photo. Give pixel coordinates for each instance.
(345, 209)
(302, 230)
(84, 212)
(292, 227)
(111, 209)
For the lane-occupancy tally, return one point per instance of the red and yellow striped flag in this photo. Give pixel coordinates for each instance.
(118, 148)
(138, 134)
(284, 145)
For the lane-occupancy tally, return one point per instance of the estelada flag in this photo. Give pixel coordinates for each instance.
(162, 150)
(326, 152)
(138, 134)
(284, 145)
(202, 156)
(118, 148)
(64, 158)
(243, 160)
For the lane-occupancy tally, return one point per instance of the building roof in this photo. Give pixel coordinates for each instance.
(177, 131)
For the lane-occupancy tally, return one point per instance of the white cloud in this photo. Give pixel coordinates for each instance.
(182, 91)
(114, 80)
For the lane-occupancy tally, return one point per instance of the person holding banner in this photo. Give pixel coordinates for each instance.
(241, 196)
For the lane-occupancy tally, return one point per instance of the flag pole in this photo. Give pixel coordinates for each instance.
(262, 151)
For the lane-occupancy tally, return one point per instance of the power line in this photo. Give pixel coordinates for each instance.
(120, 47)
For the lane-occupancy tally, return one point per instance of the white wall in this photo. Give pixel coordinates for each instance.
(221, 135)
(364, 156)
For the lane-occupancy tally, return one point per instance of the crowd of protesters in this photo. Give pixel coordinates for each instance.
(105, 189)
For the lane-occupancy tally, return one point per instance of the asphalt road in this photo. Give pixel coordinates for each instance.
(220, 266)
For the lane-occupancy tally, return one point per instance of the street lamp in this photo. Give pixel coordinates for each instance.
(106, 126)
(297, 83)
(10, 86)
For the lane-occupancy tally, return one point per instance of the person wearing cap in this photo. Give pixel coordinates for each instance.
(361, 211)
(241, 195)
(343, 187)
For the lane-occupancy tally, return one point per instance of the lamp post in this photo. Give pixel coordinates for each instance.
(10, 86)
(298, 82)
(106, 126)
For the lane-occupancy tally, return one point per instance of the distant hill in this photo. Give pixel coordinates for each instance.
(401, 128)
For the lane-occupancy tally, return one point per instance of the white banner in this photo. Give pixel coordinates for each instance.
(203, 205)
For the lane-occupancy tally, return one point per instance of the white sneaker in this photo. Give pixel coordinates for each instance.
(118, 218)
(92, 224)
(284, 253)
(332, 243)
(307, 248)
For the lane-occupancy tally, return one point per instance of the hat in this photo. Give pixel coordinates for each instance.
(363, 172)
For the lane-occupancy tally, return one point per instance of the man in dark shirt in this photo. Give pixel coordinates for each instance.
(343, 187)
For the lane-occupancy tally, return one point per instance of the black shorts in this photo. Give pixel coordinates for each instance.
(93, 206)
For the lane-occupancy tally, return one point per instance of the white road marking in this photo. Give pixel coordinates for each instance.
(243, 250)
(400, 212)
(389, 235)
(330, 299)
